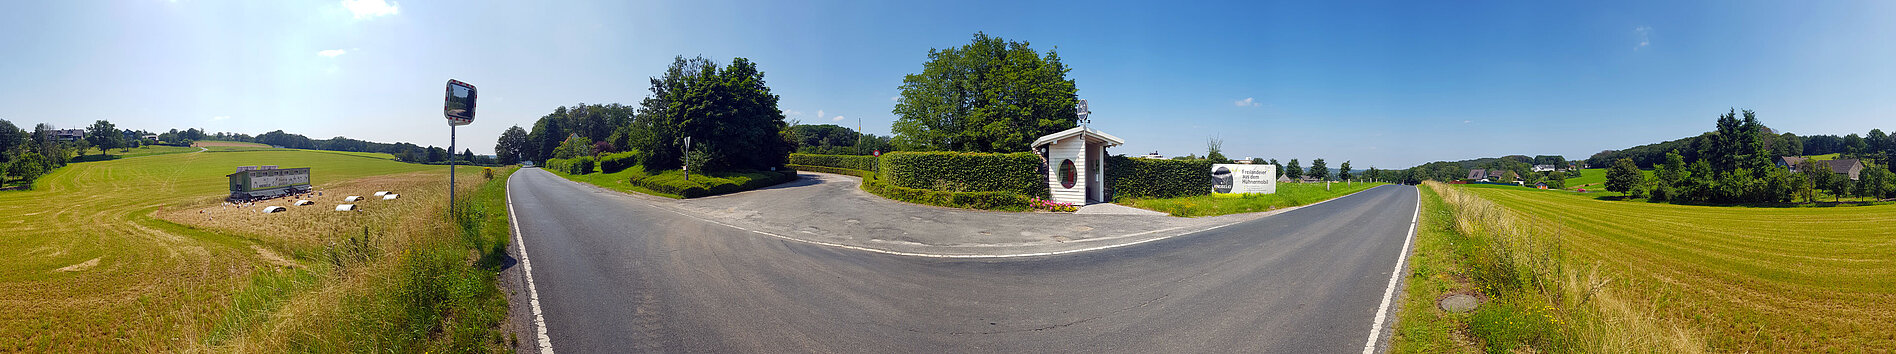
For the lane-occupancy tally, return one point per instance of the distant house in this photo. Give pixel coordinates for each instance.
(69, 134)
(1543, 168)
(1503, 175)
(1153, 155)
(1246, 160)
(1849, 167)
(1478, 174)
(1283, 178)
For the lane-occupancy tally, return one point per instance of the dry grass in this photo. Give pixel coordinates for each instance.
(86, 267)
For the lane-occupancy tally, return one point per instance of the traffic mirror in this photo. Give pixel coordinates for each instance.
(460, 103)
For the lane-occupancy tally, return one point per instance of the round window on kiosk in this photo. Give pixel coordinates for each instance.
(1068, 174)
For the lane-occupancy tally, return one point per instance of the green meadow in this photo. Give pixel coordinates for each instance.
(1626, 275)
(138, 253)
(1288, 195)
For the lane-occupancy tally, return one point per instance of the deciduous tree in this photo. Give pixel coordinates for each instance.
(1623, 177)
(991, 95)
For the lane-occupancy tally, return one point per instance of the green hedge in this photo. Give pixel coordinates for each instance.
(853, 162)
(1017, 173)
(573, 166)
(974, 200)
(673, 182)
(840, 171)
(1152, 178)
(615, 162)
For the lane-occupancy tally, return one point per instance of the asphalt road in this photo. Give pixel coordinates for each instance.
(616, 274)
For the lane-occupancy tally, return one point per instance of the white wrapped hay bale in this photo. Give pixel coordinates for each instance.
(352, 198)
(391, 196)
(381, 193)
(345, 207)
(303, 202)
(272, 209)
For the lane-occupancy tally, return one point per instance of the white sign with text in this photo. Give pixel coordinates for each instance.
(1240, 178)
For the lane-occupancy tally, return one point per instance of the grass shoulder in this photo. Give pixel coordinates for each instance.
(1288, 195)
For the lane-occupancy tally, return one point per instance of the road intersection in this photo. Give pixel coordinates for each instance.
(616, 272)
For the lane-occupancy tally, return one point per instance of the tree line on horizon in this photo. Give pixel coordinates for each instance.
(1736, 163)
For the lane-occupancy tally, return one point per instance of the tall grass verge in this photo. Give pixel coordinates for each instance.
(1539, 298)
(423, 283)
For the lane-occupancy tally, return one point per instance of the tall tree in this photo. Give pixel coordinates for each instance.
(1214, 151)
(1293, 171)
(11, 139)
(1319, 170)
(991, 95)
(104, 135)
(1623, 177)
(547, 134)
(729, 113)
(512, 145)
(1854, 145)
(1343, 171)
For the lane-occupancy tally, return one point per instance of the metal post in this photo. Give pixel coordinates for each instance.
(451, 169)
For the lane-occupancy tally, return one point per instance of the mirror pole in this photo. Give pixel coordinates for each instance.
(451, 170)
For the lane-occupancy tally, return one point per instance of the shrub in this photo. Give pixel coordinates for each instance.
(1150, 178)
(615, 162)
(573, 166)
(1016, 173)
(673, 182)
(854, 162)
(973, 200)
(827, 169)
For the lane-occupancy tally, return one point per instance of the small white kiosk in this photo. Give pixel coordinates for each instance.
(1075, 164)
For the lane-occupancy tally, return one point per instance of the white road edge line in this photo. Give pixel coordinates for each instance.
(1018, 255)
(533, 294)
(1382, 312)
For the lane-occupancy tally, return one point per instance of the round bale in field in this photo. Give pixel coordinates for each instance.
(302, 202)
(352, 198)
(272, 209)
(380, 193)
(391, 196)
(345, 207)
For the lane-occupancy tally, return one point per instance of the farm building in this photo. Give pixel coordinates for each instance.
(1847, 167)
(252, 182)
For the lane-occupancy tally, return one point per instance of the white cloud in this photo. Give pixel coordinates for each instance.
(819, 114)
(332, 53)
(1248, 102)
(364, 9)
(837, 119)
(1645, 36)
(1467, 121)
(218, 118)
(792, 113)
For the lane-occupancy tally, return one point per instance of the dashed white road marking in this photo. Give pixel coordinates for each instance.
(1382, 312)
(533, 294)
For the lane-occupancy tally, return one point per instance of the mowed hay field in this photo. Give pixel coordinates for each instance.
(88, 264)
(1744, 279)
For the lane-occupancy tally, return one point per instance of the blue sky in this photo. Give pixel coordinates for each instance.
(1387, 84)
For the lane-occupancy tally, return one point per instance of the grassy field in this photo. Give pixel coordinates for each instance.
(208, 143)
(139, 254)
(1594, 179)
(1288, 195)
(1736, 279)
